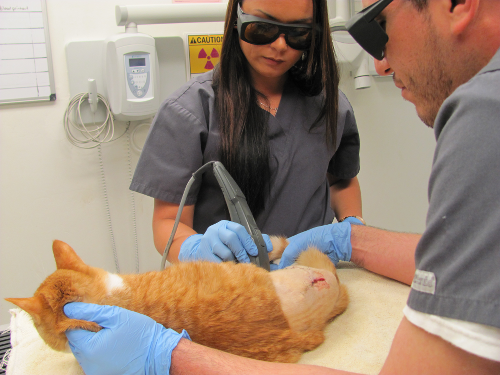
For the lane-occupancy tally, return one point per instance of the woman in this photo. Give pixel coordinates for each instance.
(272, 113)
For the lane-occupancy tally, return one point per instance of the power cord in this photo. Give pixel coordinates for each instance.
(133, 142)
(108, 210)
(132, 200)
(94, 136)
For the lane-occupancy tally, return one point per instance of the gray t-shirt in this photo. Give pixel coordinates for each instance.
(185, 135)
(458, 257)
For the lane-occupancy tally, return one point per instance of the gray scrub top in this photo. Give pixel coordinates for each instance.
(458, 256)
(185, 135)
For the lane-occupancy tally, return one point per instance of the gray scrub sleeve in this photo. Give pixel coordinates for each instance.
(458, 257)
(345, 163)
(173, 149)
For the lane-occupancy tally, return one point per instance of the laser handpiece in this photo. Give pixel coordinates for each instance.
(239, 212)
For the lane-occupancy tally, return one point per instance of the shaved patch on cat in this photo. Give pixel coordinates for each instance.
(114, 283)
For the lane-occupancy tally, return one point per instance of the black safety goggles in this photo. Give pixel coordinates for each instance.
(367, 31)
(260, 31)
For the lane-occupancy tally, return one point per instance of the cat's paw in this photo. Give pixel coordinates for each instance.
(279, 245)
(314, 258)
(83, 324)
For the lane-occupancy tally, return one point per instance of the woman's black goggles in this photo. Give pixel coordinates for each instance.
(259, 31)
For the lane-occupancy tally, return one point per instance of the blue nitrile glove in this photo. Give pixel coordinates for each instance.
(223, 241)
(129, 343)
(333, 239)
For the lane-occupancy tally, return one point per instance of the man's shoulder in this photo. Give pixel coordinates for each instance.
(493, 65)
(482, 83)
(477, 98)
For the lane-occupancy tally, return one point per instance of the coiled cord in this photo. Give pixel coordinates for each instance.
(108, 210)
(91, 138)
(133, 135)
(99, 134)
(132, 204)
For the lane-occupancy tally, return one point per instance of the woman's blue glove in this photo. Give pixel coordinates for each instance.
(334, 240)
(129, 343)
(223, 241)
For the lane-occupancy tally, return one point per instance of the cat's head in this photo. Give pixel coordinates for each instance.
(69, 283)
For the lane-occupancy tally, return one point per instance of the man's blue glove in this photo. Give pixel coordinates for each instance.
(223, 241)
(333, 239)
(129, 343)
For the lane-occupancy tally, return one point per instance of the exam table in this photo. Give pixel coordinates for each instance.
(358, 340)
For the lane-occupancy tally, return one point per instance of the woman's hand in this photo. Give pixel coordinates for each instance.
(223, 241)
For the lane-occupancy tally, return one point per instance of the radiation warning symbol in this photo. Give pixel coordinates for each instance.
(204, 52)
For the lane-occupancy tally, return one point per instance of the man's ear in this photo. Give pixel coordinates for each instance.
(462, 13)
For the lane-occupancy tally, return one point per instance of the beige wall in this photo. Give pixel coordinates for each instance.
(396, 157)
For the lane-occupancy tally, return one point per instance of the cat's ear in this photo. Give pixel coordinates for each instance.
(32, 305)
(67, 259)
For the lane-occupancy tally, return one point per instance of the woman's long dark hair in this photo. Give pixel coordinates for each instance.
(244, 146)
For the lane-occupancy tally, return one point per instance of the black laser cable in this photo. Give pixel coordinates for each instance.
(201, 170)
(238, 210)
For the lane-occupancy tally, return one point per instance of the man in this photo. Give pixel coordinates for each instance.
(445, 57)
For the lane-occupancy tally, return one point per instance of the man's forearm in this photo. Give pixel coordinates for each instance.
(192, 358)
(386, 253)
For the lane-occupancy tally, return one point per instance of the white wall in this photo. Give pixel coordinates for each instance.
(50, 189)
(396, 157)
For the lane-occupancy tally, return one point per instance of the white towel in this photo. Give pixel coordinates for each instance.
(31, 356)
(358, 340)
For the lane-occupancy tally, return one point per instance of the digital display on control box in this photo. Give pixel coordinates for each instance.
(137, 62)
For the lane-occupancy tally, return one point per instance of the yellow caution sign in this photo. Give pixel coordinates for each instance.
(204, 52)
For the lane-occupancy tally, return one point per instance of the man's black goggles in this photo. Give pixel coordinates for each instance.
(367, 31)
(259, 31)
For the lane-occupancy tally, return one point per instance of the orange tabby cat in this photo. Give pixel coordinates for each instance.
(237, 308)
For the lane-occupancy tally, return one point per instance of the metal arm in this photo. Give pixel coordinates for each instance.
(184, 13)
(170, 13)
